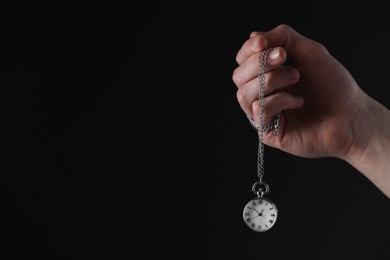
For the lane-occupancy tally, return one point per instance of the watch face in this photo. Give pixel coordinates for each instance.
(260, 214)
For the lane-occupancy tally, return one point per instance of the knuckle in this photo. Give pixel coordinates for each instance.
(255, 107)
(284, 28)
(236, 77)
(238, 58)
(242, 95)
(317, 46)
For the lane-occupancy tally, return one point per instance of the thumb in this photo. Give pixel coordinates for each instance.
(295, 44)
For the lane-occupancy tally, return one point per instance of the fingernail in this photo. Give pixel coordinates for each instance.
(256, 44)
(275, 54)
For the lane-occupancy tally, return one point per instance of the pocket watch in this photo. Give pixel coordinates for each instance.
(260, 214)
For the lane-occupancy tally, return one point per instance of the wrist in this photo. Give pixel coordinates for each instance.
(370, 151)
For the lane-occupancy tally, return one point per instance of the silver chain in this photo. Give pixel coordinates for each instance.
(273, 124)
(260, 152)
(260, 188)
(262, 128)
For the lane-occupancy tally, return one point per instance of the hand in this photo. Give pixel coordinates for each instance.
(323, 110)
(259, 214)
(321, 103)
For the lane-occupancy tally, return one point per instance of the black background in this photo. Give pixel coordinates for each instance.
(124, 139)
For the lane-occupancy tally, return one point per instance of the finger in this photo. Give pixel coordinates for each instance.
(295, 44)
(250, 68)
(274, 80)
(274, 104)
(250, 47)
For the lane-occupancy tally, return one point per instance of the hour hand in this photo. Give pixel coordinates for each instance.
(259, 213)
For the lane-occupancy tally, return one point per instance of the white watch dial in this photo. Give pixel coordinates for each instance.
(260, 214)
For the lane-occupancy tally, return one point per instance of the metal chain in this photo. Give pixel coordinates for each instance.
(273, 124)
(261, 187)
(260, 152)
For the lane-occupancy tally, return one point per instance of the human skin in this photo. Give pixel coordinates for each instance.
(324, 112)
